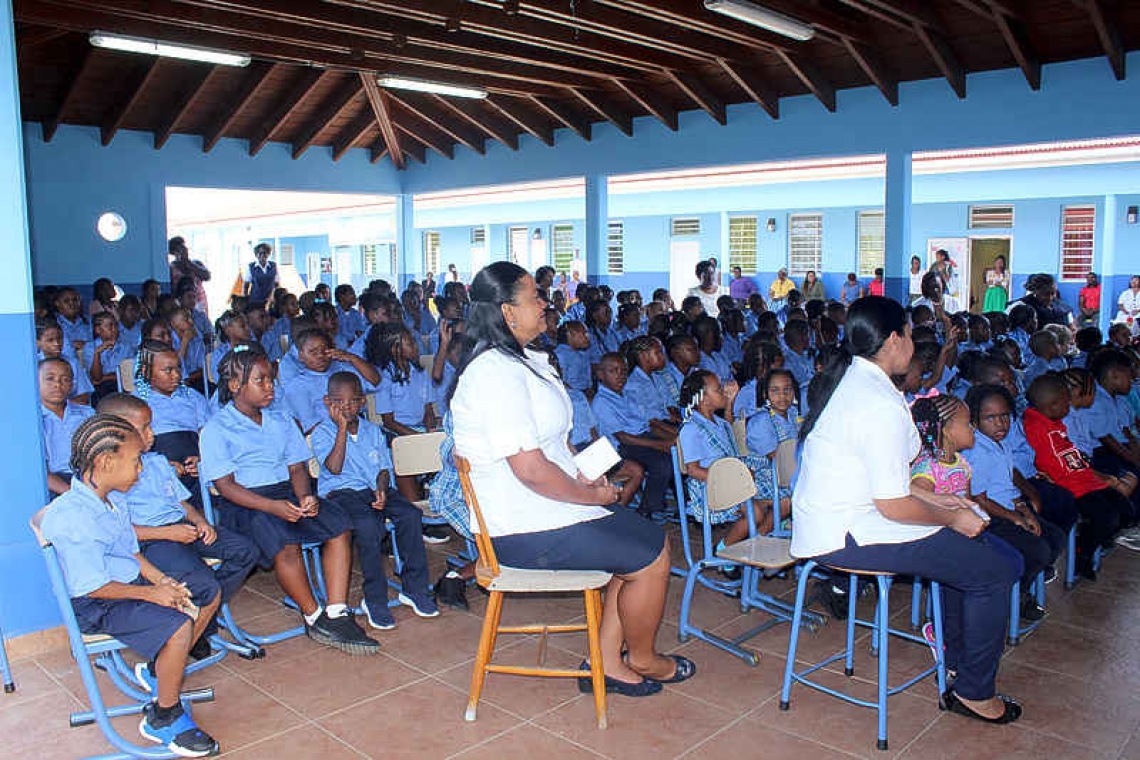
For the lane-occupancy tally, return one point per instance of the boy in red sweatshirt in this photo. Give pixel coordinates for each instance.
(1104, 509)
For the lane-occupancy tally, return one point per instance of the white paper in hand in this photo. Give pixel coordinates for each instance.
(597, 459)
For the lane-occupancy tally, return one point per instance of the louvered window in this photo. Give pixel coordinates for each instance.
(872, 242)
(683, 226)
(805, 243)
(1078, 230)
(991, 217)
(615, 248)
(742, 246)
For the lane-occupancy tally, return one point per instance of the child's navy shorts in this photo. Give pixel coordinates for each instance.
(143, 626)
(270, 534)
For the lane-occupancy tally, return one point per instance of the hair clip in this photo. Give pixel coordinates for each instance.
(239, 348)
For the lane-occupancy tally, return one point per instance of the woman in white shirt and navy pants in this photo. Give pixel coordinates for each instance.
(512, 419)
(854, 506)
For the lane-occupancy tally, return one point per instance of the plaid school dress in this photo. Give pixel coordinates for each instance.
(445, 495)
(719, 438)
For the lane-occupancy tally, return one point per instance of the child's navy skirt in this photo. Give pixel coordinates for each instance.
(270, 534)
(145, 627)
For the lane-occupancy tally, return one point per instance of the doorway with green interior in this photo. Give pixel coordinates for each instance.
(984, 272)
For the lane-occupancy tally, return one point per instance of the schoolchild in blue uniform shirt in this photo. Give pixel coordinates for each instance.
(417, 317)
(49, 345)
(646, 357)
(760, 358)
(629, 325)
(574, 355)
(452, 352)
(1022, 325)
(305, 391)
(684, 356)
(187, 295)
(231, 328)
(115, 590)
(778, 420)
(130, 321)
(1111, 419)
(645, 441)
(69, 314)
(104, 354)
(60, 419)
(449, 312)
(288, 308)
(261, 329)
(732, 335)
(797, 355)
(258, 462)
(355, 469)
(326, 320)
(351, 324)
(1046, 356)
(603, 339)
(979, 334)
(190, 346)
(706, 332)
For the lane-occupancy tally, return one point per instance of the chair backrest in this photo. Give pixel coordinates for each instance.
(208, 371)
(36, 522)
(786, 462)
(426, 361)
(283, 342)
(740, 433)
(370, 408)
(730, 482)
(417, 454)
(126, 374)
(314, 465)
(487, 567)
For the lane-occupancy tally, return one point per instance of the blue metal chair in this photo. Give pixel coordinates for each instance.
(5, 668)
(881, 633)
(1016, 630)
(107, 652)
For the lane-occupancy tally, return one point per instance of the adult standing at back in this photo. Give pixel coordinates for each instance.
(260, 277)
(708, 289)
(855, 508)
(182, 266)
(1088, 302)
(1128, 306)
(997, 286)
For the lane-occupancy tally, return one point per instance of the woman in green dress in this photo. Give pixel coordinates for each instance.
(997, 286)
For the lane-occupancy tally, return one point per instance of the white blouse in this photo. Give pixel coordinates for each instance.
(860, 450)
(708, 300)
(501, 408)
(1129, 305)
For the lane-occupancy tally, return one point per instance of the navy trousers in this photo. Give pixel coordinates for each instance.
(976, 576)
(1057, 505)
(658, 472)
(1037, 552)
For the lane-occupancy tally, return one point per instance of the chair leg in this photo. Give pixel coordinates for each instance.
(486, 647)
(883, 633)
(852, 595)
(794, 635)
(594, 637)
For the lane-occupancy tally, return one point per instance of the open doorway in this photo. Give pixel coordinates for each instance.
(983, 252)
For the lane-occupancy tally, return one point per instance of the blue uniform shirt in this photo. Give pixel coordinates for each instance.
(623, 333)
(195, 358)
(1102, 418)
(256, 455)
(575, 366)
(58, 433)
(132, 336)
(585, 423)
(349, 323)
(618, 413)
(1077, 424)
(1038, 366)
(992, 471)
(305, 392)
(745, 404)
(156, 498)
(427, 322)
(802, 366)
(640, 386)
(202, 324)
(289, 365)
(694, 439)
(767, 430)
(718, 364)
(1019, 449)
(440, 389)
(366, 455)
(669, 380)
(94, 540)
(406, 400)
(185, 409)
(112, 357)
(601, 342)
(971, 346)
(79, 330)
(1021, 338)
(81, 381)
(732, 347)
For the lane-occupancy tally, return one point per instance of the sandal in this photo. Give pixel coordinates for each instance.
(646, 687)
(1011, 713)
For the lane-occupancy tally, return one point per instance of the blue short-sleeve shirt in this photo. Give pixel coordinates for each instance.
(366, 455)
(75, 331)
(80, 380)
(93, 539)
(602, 342)
(349, 323)
(404, 400)
(802, 366)
(1077, 424)
(58, 433)
(305, 393)
(694, 439)
(718, 364)
(617, 413)
(131, 336)
(992, 471)
(1019, 449)
(1102, 416)
(584, 420)
(202, 324)
(440, 389)
(622, 333)
(112, 357)
(575, 366)
(767, 430)
(427, 322)
(185, 409)
(640, 386)
(195, 358)
(156, 498)
(289, 365)
(256, 455)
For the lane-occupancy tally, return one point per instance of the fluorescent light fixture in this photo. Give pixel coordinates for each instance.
(166, 49)
(420, 85)
(757, 15)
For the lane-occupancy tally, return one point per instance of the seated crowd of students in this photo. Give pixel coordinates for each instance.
(1038, 427)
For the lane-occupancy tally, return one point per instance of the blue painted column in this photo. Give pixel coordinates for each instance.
(1114, 278)
(597, 226)
(897, 220)
(407, 243)
(26, 603)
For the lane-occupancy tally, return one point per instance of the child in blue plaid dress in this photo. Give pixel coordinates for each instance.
(445, 496)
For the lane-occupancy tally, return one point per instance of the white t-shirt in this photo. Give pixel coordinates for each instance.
(1129, 306)
(916, 284)
(859, 450)
(501, 408)
(708, 300)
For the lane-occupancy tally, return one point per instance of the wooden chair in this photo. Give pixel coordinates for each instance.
(740, 433)
(125, 374)
(426, 361)
(283, 342)
(419, 455)
(499, 579)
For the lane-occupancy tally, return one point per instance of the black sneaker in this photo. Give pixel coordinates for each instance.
(451, 592)
(832, 599)
(386, 546)
(201, 649)
(341, 633)
(1050, 574)
(178, 733)
(436, 534)
(1030, 610)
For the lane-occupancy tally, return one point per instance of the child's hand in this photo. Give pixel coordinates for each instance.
(207, 533)
(731, 388)
(967, 523)
(380, 501)
(338, 355)
(288, 511)
(103, 347)
(181, 533)
(310, 505)
(179, 468)
(190, 466)
(446, 331)
(166, 595)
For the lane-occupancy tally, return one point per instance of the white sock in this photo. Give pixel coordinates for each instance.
(451, 574)
(336, 610)
(312, 618)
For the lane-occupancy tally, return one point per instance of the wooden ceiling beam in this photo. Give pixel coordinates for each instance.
(652, 101)
(304, 84)
(378, 150)
(878, 14)
(412, 147)
(696, 91)
(114, 120)
(1108, 35)
(812, 78)
(888, 85)
(526, 120)
(382, 110)
(31, 37)
(352, 133)
(431, 116)
(680, 15)
(913, 11)
(1013, 32)
(259, 71)
(944, 58)
(51, 124)
(607, 109)
(561, 113)
(754, 86)
(189, 97)
(332, 107)
(485, 124)
(429, 139)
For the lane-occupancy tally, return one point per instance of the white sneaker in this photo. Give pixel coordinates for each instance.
(1128, 542)
(1131, 533)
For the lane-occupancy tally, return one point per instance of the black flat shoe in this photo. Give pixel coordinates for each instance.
(645, 688)
(1030, 610)
(951, 702)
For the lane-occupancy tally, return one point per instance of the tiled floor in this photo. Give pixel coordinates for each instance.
(1076, 677)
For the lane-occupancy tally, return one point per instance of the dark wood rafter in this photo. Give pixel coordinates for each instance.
(487, 125)
(332, 107)
(378, 150)
(875, 71)
(912, 11)
(31, 37)
(607, 109)
(986, 8)
(259, 72)
(564, 115)
(433, 117)
(1108, 35)
(944, 58)
(526, 120)
(696, 91)
(51, 124)
(191, 95)
(652, 101)
(1013, 32)
(285, 108)
(382, 110)
(807, 73)
(352, 134)
(754, 86)
(429, 139)
(412, 147)
(114, 120)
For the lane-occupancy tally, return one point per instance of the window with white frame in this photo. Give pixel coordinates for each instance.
(872, 242)
(615, 248)
(369, 259)
(518, 240)
(742, 243)
(562, 247)
(805, 243)
(286, 254)
(478, 236)
(991, 217)
(685, 226)
(1078, 231)
(431, 251)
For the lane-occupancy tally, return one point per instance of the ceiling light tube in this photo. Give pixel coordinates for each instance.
(765, 18)
(420, 85)
(166, 49)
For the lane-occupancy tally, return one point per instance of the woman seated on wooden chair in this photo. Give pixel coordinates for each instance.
(512, 419)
